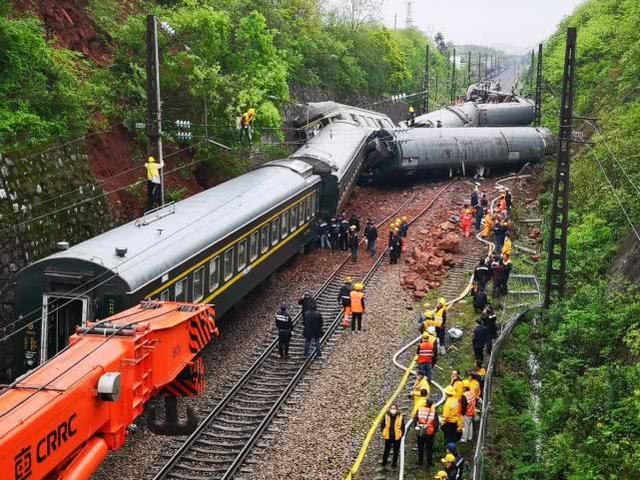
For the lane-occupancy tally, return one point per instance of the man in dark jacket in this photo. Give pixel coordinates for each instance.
(354, 221)
(344, 234)
(480, 339)
(481, 275)
(354, 243)
(371, 234)
(498, 275)
(479, 300)
(344, 300)
(475, 197)
(395, 248)
(307, 302)
(489, 319)
(312, 322)
(285, 327)
(334, 233)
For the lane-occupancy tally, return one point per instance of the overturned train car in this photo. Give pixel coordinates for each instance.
(512, 114)
(468, 151)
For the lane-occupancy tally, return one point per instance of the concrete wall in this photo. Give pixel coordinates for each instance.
(35, 193)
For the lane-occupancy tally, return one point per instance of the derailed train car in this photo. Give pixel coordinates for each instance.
(420, 151)
(213, 247)
(519, 113)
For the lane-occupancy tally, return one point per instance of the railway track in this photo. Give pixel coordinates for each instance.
(220, 447)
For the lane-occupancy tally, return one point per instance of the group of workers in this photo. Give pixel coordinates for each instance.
(342, 233)
(312, 322)
(463, 396)
(398, 231)
(351, 299)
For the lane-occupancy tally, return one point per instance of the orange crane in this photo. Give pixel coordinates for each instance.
(60, 420)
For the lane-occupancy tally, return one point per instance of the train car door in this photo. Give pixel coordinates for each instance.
(60, 316)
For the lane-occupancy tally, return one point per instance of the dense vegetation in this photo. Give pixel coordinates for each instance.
(590, 412)
(229, 54)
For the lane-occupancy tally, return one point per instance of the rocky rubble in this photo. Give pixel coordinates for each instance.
(430, 254)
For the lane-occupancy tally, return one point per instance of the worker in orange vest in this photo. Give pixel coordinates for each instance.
(468, 401)
(357, 307)
(426, 421)
(344, 300)
(426, 356)
(466, 221)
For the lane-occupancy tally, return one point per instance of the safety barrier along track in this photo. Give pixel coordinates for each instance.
(221, 444)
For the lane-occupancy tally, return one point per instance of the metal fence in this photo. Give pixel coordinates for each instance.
(479, 456)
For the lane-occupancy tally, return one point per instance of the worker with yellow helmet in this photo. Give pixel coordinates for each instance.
(411, 117)
(404, 227)
(357, 307)
(153, 182)
(246, 122)
(451, 416)
(441, 323)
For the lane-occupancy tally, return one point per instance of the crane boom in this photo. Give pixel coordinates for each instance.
(60, 420)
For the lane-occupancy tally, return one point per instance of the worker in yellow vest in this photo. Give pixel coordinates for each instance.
(357, 307)
(153, 182)
(456, 383)
(451, 416)
(421, 383)
(246, 123)
(392, 428)
(441, 324)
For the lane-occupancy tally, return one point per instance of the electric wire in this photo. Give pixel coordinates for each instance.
(105, 194)
(606, 144)
(116, 271)
(615, 194)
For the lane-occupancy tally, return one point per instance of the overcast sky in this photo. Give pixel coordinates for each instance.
(518, 23)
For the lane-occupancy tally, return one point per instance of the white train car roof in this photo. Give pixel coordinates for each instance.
(158, 242)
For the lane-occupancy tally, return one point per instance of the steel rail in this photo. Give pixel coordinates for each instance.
(173, 462)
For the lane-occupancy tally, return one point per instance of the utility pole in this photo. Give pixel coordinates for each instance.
(538, 110)
(154, 102)
(555, 281)
(409, 20)
(469, 70)
(395, 21)
(486, 65)
(479, 67)
(435, 91)
(533, 59)
(453, 77)
(425, 102)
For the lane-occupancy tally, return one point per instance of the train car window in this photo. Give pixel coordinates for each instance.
(284, 225)
(242, 255)
(198, 284)
(214, 274)
(370, 122)
(301, 209)
(380, 123)
(253, 246)
(293, 219)
(275, 226)
(307, 204)
(314, 203)
(181, 287)
(264, 239)
(164, 295)
(355, 118)
(228, 264)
